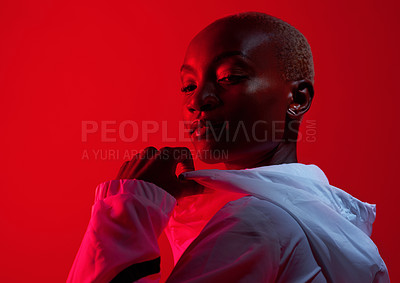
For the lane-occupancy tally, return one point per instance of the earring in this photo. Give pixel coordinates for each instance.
(291, 111)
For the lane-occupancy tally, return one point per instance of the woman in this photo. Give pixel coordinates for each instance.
(247, 80)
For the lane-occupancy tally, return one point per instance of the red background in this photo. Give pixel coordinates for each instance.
(64, 62)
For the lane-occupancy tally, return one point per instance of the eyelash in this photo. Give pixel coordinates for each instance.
(187, 89)
(231, 79)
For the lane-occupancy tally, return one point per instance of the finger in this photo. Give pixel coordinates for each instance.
(149, 166)
(121, 171)
(140, 161)
(175, 156)
(184, 159)
(148, 152)
(134, 159)
(130, 166)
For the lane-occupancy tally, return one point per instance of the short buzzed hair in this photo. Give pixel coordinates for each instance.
(292, 48)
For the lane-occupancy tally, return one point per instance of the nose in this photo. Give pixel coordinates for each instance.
(203, 99)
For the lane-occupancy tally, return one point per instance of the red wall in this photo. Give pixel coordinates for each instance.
(64, 62)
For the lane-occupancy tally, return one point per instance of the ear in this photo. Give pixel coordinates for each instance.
(302, 93)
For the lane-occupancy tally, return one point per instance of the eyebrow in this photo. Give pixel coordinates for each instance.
(218, 58)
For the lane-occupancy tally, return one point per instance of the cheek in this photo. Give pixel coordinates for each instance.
(258, 100)
(242, 100)
(264, 108)
(258, 85)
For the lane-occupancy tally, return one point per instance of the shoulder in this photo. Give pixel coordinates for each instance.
(274, 231)
(255, 236)
(267, 224)
(261, 215)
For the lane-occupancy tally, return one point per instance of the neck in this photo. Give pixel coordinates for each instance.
(284, 152)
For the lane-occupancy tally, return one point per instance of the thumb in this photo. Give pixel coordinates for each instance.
(185, 164)
(184, 161)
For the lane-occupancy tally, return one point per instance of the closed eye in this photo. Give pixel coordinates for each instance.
(188, 89)
(232, 79)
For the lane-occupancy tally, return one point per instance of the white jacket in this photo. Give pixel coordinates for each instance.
(279, 223)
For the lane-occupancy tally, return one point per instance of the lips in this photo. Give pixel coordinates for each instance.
(203, 128)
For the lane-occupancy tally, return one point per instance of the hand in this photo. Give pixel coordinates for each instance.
(159, 167)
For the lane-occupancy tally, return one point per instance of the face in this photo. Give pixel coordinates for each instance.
(235, 99)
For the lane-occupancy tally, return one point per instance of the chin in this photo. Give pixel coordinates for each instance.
(211, 153)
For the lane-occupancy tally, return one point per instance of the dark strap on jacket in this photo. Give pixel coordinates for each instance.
(137, 271)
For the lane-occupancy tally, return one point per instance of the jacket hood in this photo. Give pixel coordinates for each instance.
(310, 179)
(337, 225)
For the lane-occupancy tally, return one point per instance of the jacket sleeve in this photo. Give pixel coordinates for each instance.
(120, 243)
